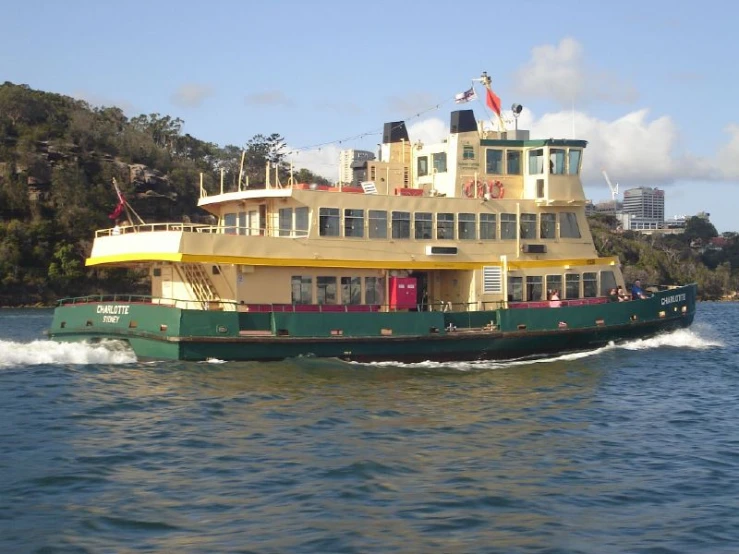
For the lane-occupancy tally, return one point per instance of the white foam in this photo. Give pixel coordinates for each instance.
(49, 352)
(682, 338)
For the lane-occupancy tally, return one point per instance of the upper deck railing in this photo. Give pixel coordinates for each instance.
(200, 228)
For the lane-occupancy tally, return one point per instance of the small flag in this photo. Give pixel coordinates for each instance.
(121, 203)
(465, 96)
(493, 101)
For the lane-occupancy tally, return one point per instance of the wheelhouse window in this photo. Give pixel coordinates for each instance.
(534, 288)
(513, 162)
(424, 225)
(548, 225)
(488, 224)
(445, 226)
(439, 161)
(229, 222)
(466, 225)
(353, 223)
(568, 227)
(377, 224)
(557, 161)
(374, 290)
(302, 290)
(573, 163)
(285, 222)
(494, 161)
(572, 285)
(508, 226)
(515, 289)
(536, 161)
(401, 225)
(242, 223)
(328, 221)
(326, 290)
(301, 222)
(589, 284)
(528, 226)
(351, 290)
(423, 166)
(468, 152)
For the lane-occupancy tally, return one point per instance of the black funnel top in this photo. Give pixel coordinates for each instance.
(462, 121)
(395, 131)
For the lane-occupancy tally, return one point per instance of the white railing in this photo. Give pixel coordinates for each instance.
(197, 228)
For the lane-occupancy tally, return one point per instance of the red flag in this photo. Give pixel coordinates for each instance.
(493, 101)
(118, 210)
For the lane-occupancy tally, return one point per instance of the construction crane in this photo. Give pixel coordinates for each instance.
(614, 188)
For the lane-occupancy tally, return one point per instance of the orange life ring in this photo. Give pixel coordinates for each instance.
(496, 190)
(470, 187)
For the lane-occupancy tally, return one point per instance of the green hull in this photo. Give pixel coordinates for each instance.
(163, 332)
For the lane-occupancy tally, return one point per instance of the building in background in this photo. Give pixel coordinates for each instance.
(643, 208)
(349, 160)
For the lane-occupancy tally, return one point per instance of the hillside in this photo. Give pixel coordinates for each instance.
(59, 156)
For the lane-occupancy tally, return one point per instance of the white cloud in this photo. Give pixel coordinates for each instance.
(322, 161)
(268, 98)
(191, 95)
(728, 155)
(561, 73)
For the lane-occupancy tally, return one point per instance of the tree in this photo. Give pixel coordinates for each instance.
(699, 228)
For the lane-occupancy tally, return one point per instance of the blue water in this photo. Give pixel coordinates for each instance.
(632, 448)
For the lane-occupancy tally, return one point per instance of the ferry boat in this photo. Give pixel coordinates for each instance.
(474, 248)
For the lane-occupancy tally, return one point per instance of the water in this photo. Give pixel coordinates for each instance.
(627, 449)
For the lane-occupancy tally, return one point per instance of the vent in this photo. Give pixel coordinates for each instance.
(492, 280)
(442, 250)
(534, 248)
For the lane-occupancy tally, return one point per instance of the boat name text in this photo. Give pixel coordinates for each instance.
(674, 298)
(117, 309)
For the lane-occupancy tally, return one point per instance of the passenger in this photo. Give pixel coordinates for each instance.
(637, 293)
(621, 294)
(613, 295)
(554, 299)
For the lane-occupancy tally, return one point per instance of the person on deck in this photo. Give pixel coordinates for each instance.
(613, 295)
(621, 294)
(637, 293)
(554, 299)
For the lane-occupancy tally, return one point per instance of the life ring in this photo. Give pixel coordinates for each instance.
(471, 187)
(496, 190)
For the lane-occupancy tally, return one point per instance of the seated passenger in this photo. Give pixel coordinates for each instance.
(554, 299)
(637, 293)
(621, 294)
(613, 295)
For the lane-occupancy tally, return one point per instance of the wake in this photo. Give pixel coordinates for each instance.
(49, 352)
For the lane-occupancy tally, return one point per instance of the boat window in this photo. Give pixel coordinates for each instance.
(328, 221)
(326, 290)
(494, 161)
(439, 161)
(351, 290)
(572, 285)
(285, 222)
(513, 159)
(242, 223)
(568, 227)
(423, 166)
(488, 226)
(302, 288)
(607, 282)
(377, 224)
(548, 223)
(467, 227)
(353, 223)
(515, 289)
(508, 226)
(573, 164)
(424, 224)
(229, 222)
(534, 288)
(536, 162)
(374, 290)
(301, 222)
(554, 282)
(373, 172)
(252, 226)
(401, 225)
(468, 152)
(589, 284)
(445, 226)
(528, 226)
(557, 161)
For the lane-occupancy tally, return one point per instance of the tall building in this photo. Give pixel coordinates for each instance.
(347, 159)
(644, 208)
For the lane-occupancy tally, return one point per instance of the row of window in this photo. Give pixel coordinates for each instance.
(450, 226)
(499, 161)
(338, 290)
(574, 285)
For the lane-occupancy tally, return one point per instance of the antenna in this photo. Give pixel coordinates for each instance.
(614, 189)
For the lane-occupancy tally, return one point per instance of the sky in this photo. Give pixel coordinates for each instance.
(651, 85)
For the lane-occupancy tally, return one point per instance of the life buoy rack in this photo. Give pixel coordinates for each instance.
(496, 190)
(474, 189)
